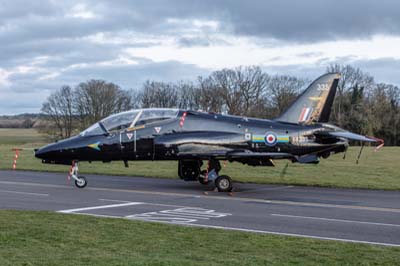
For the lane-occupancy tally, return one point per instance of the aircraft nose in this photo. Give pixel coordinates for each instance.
(44, 152)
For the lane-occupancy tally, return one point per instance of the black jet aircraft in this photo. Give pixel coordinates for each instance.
(301, 134)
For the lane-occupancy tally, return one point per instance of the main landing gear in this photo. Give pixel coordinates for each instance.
(190, 170)
(80, 181)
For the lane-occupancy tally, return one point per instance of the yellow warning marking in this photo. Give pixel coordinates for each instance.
(283, 138)
(315, 98)
(135, 128)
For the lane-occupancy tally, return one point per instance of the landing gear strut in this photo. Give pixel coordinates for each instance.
(190, 170)
(223, 183)
(80, 181)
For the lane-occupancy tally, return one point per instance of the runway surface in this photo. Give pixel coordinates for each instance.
(365, 216)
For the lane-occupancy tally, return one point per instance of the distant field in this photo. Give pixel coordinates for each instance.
(83, 240)
(16, 136)
(377, 170)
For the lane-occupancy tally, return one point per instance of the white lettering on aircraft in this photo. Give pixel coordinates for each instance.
(322, 87)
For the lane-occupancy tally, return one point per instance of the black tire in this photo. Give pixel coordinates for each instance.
(224, 183)
(81, 183)
(189, 170)
(202, 179)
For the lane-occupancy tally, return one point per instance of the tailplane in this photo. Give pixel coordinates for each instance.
(315, 103)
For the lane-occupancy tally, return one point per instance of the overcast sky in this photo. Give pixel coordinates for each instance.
(46, 44)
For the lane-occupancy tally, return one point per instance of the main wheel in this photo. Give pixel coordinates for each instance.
(224, 183)
(202, 178)
(81, 183)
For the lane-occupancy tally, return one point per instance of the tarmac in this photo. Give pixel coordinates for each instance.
(349, 215)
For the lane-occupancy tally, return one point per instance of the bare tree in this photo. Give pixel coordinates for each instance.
(240, 89)
(208, 97)
(282, 91)
(350, 77)
(96, 99)
(187, 94)
(59, 110)
(159, 94)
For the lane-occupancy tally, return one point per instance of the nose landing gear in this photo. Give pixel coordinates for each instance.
(80, 181)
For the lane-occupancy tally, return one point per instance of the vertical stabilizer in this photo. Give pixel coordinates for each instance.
(315, 103)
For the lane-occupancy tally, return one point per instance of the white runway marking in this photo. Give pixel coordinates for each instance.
(181, 215)
(24, 193)
(283, 202)
(101, 207)
(333, 220)
(294, 235)
(114, 200)
(189, 222)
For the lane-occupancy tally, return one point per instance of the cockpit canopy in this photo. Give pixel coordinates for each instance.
(129, 119)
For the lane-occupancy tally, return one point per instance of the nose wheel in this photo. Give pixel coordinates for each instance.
(80, 181)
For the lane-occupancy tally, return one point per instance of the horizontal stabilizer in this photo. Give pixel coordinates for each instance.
(347, 135)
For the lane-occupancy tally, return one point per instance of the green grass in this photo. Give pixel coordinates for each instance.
(43, 238)
(20, 136)
(376, 170)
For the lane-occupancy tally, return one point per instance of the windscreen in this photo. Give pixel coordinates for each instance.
(119, 121)
(93, 130)
(124, 120)
(153, 115)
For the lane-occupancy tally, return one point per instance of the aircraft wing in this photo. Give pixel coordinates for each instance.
(270, 155)
(202, 145)
(348, 135)
(352, 136)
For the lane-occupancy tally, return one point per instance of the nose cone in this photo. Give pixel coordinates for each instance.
(57, 151)
(64, 151)
(47, 152)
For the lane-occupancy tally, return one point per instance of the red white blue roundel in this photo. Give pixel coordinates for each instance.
(270, 139)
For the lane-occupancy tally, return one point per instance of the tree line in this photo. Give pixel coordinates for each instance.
(361, 105)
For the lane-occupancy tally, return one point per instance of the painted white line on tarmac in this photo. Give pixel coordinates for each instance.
(24, 193)
(100, 207)
(181, 215)
(333, 220)
(242, 199)
(294, 235)
(114, 200)
(147, 203)
(185, 223)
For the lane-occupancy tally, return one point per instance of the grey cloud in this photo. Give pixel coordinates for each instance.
(45, 29)
(133, 76)
(31, 91)
(386, 70)
(302, 21)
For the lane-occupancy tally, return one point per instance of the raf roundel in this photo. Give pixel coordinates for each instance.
(270, 139)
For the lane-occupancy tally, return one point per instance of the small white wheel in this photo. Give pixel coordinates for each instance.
(224, 183)
(81, 182)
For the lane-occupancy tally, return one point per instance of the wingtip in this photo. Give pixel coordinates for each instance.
(380, 141)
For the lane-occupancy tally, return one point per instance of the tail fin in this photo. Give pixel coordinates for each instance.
(315, 103)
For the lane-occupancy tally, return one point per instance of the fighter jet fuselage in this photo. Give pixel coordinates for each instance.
(300, 135)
